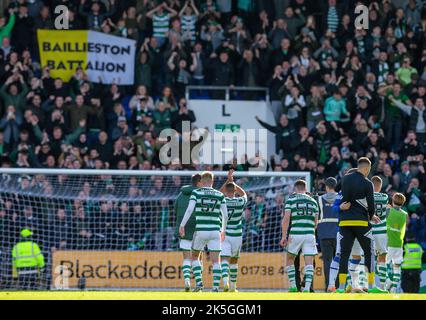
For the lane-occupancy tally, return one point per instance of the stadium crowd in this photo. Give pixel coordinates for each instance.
(337, 92)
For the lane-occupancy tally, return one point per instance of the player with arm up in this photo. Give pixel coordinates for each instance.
(301, 214)
(211, 216)
(381, 201)
(236, 200)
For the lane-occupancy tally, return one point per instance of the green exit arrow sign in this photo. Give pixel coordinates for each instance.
(227, 128)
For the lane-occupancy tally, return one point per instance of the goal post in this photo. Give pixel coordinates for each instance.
(114, 229)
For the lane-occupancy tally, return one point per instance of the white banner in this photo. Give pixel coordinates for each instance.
(112, 60)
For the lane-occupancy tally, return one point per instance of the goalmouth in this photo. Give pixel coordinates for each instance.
(116, 230)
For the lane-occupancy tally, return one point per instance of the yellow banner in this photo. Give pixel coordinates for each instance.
(146, 269)
(62, 51)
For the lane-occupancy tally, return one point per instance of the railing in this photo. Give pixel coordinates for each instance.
(227, 90)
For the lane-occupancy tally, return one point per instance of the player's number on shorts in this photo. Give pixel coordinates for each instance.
(208, 205)
(304, 209)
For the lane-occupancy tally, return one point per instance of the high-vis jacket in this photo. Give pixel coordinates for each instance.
(329, 218)
(412, 256)
(27, 257)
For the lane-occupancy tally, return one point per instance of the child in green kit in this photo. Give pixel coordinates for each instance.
(395, 225)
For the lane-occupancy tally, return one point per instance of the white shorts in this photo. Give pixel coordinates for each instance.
(395, 255)
(304, 242)
(185, 245)
(231, 247)
(356, 249)
(380, 243)
(211, 239)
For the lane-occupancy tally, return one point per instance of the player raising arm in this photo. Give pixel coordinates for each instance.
(211, 216)
(301, 213)
(236, 200)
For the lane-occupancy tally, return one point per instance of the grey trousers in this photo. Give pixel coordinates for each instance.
(328, 249)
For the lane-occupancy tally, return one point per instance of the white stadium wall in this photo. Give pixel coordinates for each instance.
(235, 114)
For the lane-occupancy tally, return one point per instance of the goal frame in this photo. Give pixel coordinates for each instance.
(96, 172)
(151, 173)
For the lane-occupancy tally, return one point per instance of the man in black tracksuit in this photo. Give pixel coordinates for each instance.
(356, 214)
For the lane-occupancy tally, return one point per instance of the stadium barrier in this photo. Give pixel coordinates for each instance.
(145, 269)
(227, 91)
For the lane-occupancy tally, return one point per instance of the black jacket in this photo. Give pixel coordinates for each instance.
(222, 74)
(285, 137)
(359, 191)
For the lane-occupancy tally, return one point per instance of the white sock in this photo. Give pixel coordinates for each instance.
(225, 272)
(186, 270)
(353, 271)
(233, 273)
(197, 270)
(334, 271)
(309, 276)
(217, 270)
(291, 273)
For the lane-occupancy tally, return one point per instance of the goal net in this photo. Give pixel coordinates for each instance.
(102, 229)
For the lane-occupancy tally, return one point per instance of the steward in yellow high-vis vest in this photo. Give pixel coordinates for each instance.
(411, 266)
(27, 261)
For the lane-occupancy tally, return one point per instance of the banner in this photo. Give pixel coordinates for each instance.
(106, 59)
(147, 269)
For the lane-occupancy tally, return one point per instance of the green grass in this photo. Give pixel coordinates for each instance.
(173, 295)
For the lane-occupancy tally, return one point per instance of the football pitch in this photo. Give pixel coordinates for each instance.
(174, 295)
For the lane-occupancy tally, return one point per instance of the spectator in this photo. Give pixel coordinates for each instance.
(393, 114)
(273, 224)
(161, 117)
(405, 72)
(335, 108)
(60, 231)
(213, 34)
(20, 37)
(294, 20)
(161, 16)
(285, 135)
(6, 28)
(10, 94)
(9, 124)
(95, 16)
(250, 72)
(314, 107)
(417, 116)
(181, 76)
(403, 178)
(183, 114)
(256, 219)
(222, 72)
(278, 33)
(164, 226)
(189, 15)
